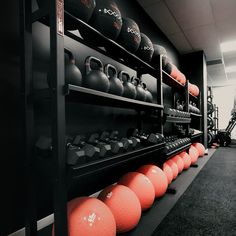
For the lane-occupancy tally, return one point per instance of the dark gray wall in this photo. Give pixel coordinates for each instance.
(194, 67)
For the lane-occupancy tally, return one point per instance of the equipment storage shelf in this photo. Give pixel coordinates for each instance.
(180, 120)
(193, 136)
(59, 120)
(195, 115)
(96, 166)
(90, 96)
(168, 80)
(177, 151)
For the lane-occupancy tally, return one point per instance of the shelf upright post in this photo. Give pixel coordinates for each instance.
(187, 103)
(58, 116)
(28, 114)
(160, 97)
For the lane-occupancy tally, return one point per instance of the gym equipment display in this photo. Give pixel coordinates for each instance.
(129, 36)
(186, 159)
(107, 18)
(145, 50)
(116, 85)
(95, 79)
(173, 167)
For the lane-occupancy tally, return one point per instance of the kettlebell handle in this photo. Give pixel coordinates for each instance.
(121, 73)
(70, 55)
(88, 61)
(136, 80)
(144, 86)
(110, 67)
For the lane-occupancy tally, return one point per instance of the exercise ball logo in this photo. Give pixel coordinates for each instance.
(109, 195)
(132, 31)
(111, 13)
(91, 218)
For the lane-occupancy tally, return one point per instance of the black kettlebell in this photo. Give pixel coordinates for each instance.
(72, 73)
(95, 79)
(129, 36)
(149, 97)
(129, 88)
(107, 18)
(116, 85)
(141, 95)
(145, 50)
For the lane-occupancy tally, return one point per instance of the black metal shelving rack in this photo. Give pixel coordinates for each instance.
(60, 93)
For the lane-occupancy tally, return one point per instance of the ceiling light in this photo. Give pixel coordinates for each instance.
(230, 69)
(228, 46)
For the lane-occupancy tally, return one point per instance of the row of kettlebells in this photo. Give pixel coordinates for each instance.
(105, 79)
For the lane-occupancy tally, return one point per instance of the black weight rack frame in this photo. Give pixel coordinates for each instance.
(60, 93)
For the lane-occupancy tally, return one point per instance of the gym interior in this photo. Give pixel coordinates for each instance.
(118, 118)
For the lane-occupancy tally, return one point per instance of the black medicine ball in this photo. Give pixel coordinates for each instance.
(158, 50)
(82, 9)
(107, 18)
(129, 36)
(145, 50)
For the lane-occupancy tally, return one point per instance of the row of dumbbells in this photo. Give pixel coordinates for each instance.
(174, 143)
(176, 113)
(98, 146)
(82, 149)
(193, 108)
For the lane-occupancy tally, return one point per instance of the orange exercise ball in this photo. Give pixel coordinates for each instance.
(195, 90)
(141, 186)
(174, 168)
(124, 204)
(89, 216)
(179, 162)
(201, 149)
(157, 177)
(174, 72)
(193, 153)
(168, 172)
(186, 159)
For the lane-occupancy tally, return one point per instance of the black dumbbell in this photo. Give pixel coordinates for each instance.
(146, 139)
(75, 155)
(105, 149)
(127, 143)
(116, 146)
(91, 151)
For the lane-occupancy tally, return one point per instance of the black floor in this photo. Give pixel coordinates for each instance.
(208, 207)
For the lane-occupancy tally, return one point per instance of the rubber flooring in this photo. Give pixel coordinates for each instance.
(208, 206)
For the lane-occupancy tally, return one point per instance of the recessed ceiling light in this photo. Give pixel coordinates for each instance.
(230, 69)
(228, 46)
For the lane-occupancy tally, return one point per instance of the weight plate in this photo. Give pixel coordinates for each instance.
(210, 107)
(210, 122)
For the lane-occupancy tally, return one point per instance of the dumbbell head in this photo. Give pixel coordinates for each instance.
(116, 146)
(75, 155)
(91, 151)
(105, 149)
(127, 143)
(136, 142)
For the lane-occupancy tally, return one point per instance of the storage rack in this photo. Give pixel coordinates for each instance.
(59, 93)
